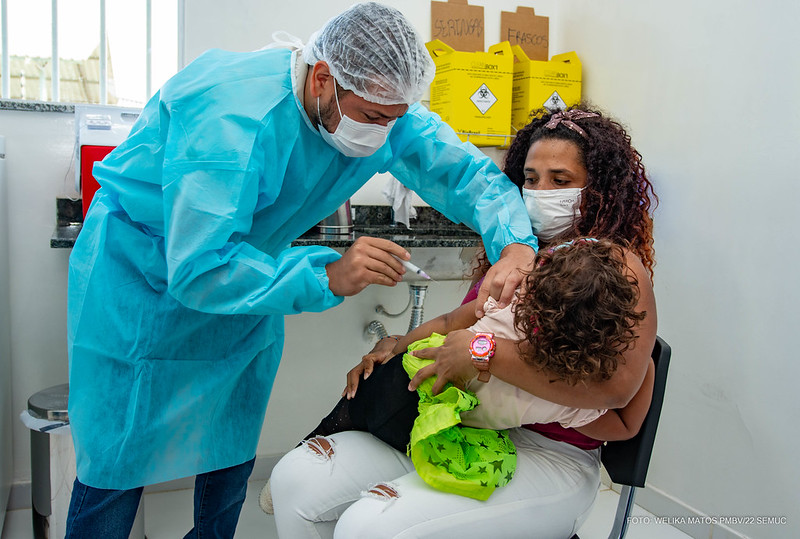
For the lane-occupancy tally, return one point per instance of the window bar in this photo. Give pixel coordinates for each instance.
(103, 66)
(181, 34)
(5, 93)
(55, 71)
(148, 85)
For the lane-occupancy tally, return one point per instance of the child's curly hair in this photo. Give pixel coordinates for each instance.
(578, 310)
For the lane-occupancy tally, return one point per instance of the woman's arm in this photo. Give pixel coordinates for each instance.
(623, 423)
(453, 362)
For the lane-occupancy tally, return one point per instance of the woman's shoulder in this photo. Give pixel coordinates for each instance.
(635, 265)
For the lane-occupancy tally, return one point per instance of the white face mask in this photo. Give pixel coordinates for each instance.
(352, 138)
(552, 211)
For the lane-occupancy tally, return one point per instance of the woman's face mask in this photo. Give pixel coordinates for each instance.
(352, 138)
(552, 211)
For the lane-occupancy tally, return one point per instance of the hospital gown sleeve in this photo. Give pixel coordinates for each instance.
(210, 198)
(459, 180)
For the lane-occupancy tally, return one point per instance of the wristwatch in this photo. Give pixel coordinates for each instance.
(481, 347)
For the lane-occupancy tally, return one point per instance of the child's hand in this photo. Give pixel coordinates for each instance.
(380, 353)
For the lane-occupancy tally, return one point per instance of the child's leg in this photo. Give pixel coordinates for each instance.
(338, 420)
(382, 406)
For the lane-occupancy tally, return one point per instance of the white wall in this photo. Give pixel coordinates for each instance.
(707, 90)
(38, 155)
(6, 414)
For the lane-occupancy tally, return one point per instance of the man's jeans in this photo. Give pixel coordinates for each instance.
(218, 499)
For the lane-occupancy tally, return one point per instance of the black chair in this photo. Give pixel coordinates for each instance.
(627, 461)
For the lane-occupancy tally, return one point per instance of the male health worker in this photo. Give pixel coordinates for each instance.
(183, 272)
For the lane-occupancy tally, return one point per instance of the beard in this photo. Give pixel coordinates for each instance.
(326, 113)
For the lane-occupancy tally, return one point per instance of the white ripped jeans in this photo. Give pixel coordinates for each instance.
(366, 489)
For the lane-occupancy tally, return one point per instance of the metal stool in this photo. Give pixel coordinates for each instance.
(53, 467)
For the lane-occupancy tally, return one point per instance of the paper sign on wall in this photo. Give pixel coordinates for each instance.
(526, 29)
(458, 24)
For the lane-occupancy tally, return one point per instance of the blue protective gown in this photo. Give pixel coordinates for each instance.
(180, 278)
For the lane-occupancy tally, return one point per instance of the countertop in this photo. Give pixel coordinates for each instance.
(69, 221)
(429, 229)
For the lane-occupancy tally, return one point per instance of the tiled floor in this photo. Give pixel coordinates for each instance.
(168, 515)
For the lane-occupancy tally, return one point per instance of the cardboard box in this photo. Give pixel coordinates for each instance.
(553, 85)
(528, 30)
(472, 91)
(458, 24)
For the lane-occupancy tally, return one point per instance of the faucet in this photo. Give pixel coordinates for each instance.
(339, 222)
(416, 301)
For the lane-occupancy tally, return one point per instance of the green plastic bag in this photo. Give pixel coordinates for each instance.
(449, 457)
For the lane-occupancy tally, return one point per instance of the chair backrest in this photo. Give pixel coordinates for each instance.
(627, 461)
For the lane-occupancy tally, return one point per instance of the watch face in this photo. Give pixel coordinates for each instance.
(481, 346)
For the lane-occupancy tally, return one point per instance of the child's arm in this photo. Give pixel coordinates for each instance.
(460, 318)
(623, 423)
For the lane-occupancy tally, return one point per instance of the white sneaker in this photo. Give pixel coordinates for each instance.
(265, 499)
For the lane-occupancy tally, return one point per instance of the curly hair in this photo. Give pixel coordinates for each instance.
(618, 197)
(617, 201)
(577, 310)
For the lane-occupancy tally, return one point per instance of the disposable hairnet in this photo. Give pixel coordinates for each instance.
(374, 51)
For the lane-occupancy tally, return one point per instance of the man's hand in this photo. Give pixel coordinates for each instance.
(368, 261)
(452, 362)
(504, 277)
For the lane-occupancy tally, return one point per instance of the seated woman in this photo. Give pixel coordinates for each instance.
(573, 316)
(605, 194)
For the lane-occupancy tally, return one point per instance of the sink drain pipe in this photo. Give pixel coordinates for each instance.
(417, 292)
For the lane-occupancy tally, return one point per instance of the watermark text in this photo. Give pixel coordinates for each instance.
(732, 520)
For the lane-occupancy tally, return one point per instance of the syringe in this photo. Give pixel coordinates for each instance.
(415, 269)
